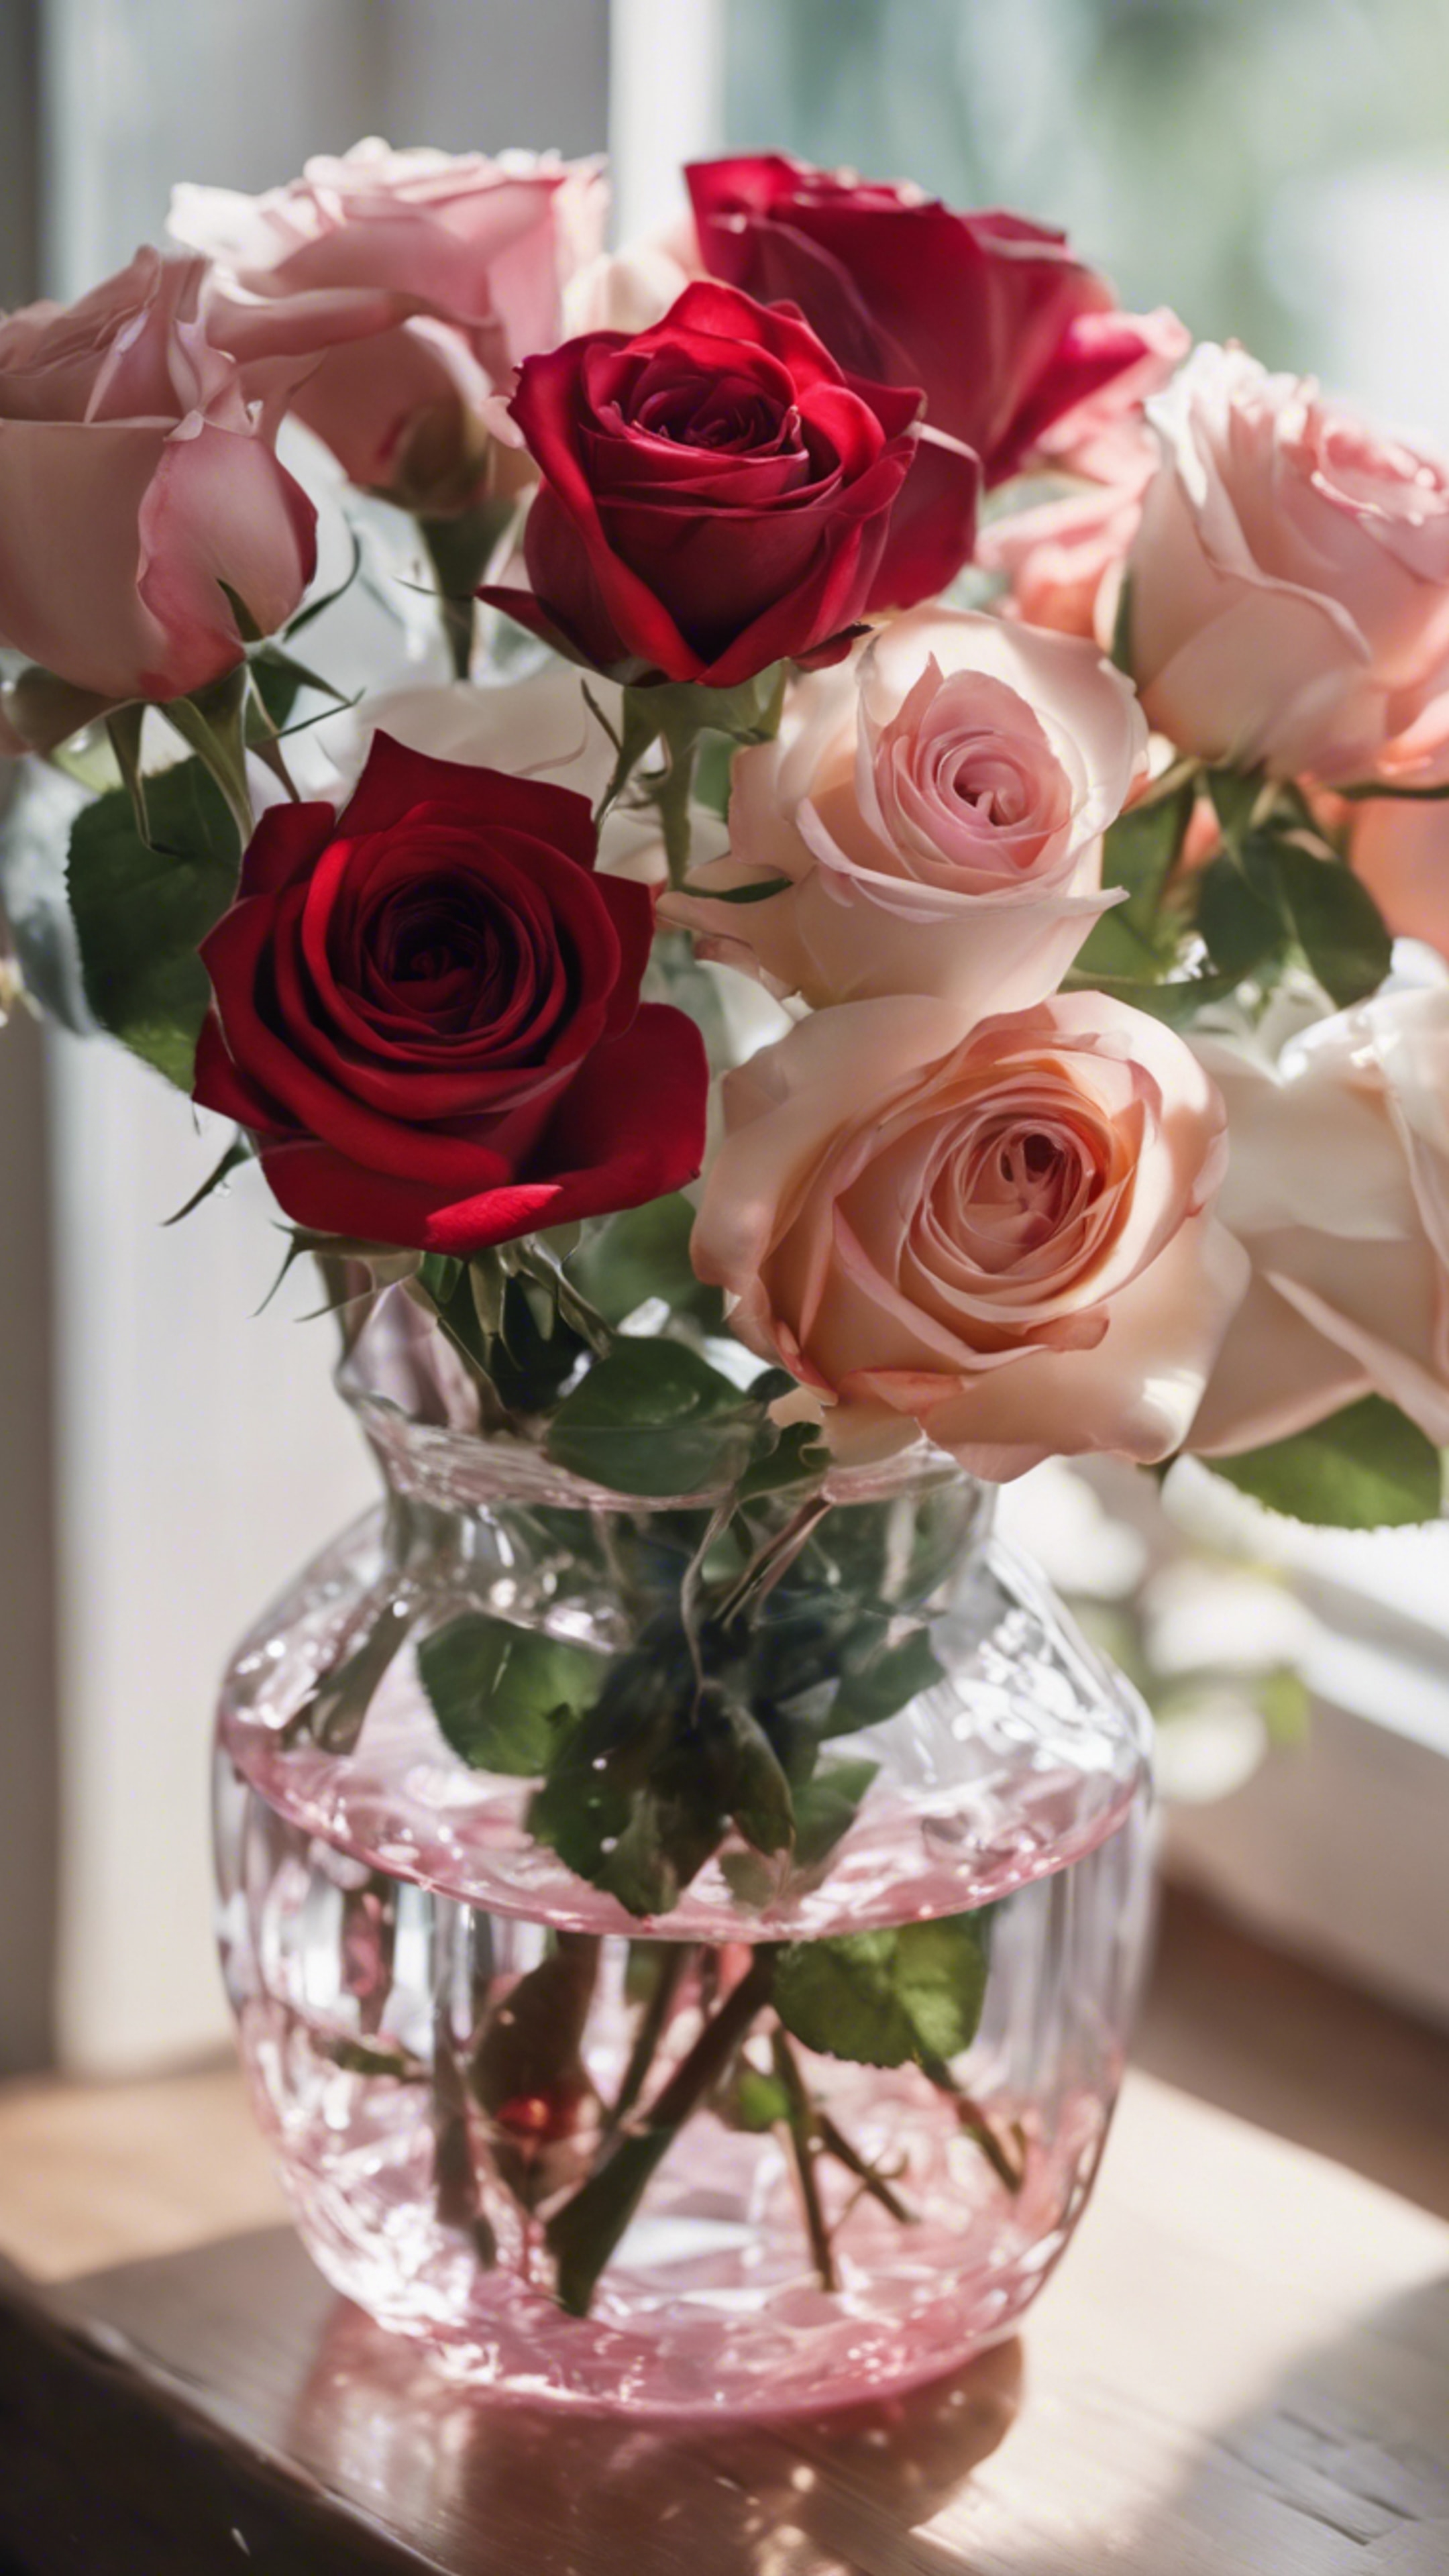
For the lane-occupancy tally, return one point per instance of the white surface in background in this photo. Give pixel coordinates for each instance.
(666, 91)
(202, 1457)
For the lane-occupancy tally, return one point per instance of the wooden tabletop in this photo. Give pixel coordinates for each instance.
(1242, 2366)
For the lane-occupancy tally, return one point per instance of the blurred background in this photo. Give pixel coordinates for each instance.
(1278, 170)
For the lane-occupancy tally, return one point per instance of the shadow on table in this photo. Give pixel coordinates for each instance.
(508, 2486)
(478, 2487)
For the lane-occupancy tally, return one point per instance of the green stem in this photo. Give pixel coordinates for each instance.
(837, 2144)
(979, 2129)
(670, 796)
(802, 2129)
(583, 2233)
(672, 1965)
(459, 549)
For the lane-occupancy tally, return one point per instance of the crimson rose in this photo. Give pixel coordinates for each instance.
(427, 1012)
(1003, 328)
(715, 495)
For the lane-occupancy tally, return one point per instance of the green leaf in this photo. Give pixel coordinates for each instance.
(1235, 794)
(884, 1681)
(1115, 951)
(761, 891)
(758, 1794)
(795, 1456)
(1141, 850)
(505, 1696)
(1176, 1002)
(759, 2100)
(885, 1998)
(1368, 1467)
(141, 914)
(653, 1418)
(642, 1253)
(1241, 930)
(1337, 923)
(826, 1808)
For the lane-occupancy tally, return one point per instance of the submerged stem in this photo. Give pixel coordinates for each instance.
(583, 2233)
(672, 1965)
(803, 2132)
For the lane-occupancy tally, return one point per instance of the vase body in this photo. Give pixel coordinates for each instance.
(818, 2127)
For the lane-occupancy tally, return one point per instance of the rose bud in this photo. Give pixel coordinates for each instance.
(139, 494)
(935, 808)
(389, 294)
(714, 498)
(1001, 1235)
(427, 1013)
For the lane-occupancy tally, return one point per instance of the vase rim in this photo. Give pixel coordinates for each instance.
(464, 1470)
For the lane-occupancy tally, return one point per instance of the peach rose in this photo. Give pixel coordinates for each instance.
(1400, 850)
(137, 488)
(390, 293)
(937, 805)
(1290, 581)
(1062, 559)
(1001, 1234)
(1338, 1188)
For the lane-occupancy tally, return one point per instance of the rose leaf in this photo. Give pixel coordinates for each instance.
(653, 1418)
(141, 913)
(1368, 1467)
(503, 1696)
(887, 1998)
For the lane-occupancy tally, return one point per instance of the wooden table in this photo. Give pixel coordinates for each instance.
(1243, 2366)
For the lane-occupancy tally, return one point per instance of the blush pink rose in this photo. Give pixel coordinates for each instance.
(936, 805)
(1338, 1189)
(1001, 1234)
(138, 488)
(1062, 559)
(1290, 581)
(1400, 850)
(391, 293)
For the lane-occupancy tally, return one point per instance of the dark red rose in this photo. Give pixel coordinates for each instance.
(992, 316)
(715, 496)
(427, 1012)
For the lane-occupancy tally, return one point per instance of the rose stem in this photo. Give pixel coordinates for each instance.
(674, 1959)
(802, 2143)
(669, 795)
(836, 2144)
(978, 2128)
(583, 2233)
(455, 2178)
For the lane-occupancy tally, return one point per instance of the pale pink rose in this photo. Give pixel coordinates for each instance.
(937, 804)
(633, 288)
(1338, 1188)
(387, 294)
(138, 487)
(1290, 581)
(1062, 559)
(1400, 850)
(1002, 1234)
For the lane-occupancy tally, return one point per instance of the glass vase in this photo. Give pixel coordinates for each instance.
(613, 2100)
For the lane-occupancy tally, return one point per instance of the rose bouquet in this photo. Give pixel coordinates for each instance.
(876, 970)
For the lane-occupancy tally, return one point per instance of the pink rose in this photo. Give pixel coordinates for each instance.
(137, 488)
(1063, 558)
(1290, 581)
(1000, 1234)
(1400, 850)
(937, 805)
(390, 293)
(1338, 1188)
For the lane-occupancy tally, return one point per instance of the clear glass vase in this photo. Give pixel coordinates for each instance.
(796, 2125)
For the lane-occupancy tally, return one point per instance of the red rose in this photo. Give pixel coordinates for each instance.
(991, 315)
(427, 1011)
(715, 495)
